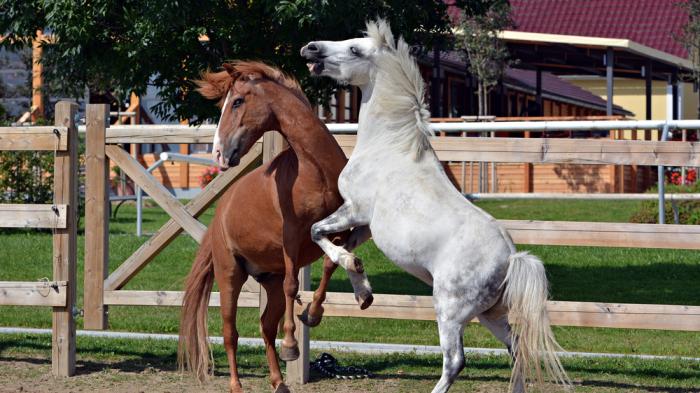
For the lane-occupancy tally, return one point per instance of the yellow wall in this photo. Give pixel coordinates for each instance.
(630, 95)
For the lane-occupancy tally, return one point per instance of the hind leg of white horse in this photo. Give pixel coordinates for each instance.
(269, 322)
(496, 321)
(341, 220)
(451, 317)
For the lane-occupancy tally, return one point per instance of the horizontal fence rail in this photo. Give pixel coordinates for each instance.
(578, 196)
(41, 293)
(175, 133)
(412, 307)
(527, 150)
(604, 234)
(52, 138)
(32, 216)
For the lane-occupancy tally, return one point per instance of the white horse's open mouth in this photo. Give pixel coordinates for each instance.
(316, 67)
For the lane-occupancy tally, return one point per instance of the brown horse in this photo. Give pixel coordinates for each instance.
(262, 223)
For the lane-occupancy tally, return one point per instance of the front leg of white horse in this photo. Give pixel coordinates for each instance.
(340, 221)
(359, 281)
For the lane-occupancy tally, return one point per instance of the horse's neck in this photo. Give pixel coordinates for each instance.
(311, 141)
(364, 134)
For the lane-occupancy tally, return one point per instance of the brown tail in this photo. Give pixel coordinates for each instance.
(193, 349)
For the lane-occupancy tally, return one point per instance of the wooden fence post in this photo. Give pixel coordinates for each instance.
(96, 217)
(65, 243)
(298, 370)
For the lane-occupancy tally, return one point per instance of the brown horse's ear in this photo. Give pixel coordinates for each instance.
(231, 70)
(213, 85)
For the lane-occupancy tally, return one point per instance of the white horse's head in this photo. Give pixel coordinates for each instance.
(350, 61)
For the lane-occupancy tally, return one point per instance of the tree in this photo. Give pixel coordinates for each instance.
(124, 46)
(690, 39)
(485, 53)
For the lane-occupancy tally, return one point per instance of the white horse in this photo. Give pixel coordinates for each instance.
(394, 183)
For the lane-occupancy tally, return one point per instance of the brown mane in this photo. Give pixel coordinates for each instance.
(216, 84)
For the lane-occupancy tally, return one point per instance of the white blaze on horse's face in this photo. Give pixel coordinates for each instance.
(217, 148)
(348, 61)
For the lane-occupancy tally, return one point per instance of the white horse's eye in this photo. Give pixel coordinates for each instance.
(354, 51)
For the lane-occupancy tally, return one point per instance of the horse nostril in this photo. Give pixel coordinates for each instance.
(312, 47)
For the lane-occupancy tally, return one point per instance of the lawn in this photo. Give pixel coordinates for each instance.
(576, 273)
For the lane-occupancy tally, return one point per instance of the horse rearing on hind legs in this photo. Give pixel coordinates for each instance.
(394, 183)
(262, 223)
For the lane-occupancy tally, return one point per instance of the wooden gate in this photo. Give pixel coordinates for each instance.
(61, 217)
(588, 314)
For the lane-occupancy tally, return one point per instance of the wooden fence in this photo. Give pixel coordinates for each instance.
(61, 217)
(109, 291)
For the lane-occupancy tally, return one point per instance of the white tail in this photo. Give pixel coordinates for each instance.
(525, 295)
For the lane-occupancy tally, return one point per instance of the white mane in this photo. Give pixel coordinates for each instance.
(398, 95)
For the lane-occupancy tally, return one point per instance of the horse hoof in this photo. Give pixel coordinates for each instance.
(308, 319)
(289, 354)
(282, 388)
(366, 302)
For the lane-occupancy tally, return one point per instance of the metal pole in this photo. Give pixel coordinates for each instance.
(661, 182)
(139, 212)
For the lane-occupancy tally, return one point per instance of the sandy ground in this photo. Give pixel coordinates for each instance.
(33, 374)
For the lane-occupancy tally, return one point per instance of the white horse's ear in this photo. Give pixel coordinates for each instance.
(380, 32)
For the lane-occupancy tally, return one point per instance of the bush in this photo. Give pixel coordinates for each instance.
(688, 211)
(26, 177)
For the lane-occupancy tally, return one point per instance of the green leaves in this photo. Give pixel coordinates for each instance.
(485, 53)
(129, 45)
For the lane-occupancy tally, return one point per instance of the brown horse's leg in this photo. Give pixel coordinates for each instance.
(230, 277)
(269, 323)
(289, 350)
(314, 311)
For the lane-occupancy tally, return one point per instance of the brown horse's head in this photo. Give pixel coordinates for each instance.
(247, 92)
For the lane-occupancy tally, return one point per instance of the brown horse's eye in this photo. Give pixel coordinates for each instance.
(237, 102)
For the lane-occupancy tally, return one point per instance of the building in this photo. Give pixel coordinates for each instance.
(654, 24)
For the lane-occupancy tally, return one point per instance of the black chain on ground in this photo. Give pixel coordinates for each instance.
(327, 365)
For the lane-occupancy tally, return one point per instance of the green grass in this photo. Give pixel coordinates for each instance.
(132, 363)
(576, 273)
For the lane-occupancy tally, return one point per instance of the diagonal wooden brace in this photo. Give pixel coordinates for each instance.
(171, 229)
(156, 191)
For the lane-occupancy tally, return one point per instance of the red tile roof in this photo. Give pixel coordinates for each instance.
(654, 23)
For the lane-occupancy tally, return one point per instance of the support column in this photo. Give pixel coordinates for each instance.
(435, 85)
(538, 92)
(648, 94)
(96, 217)
(675, 95)
(610, 80)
